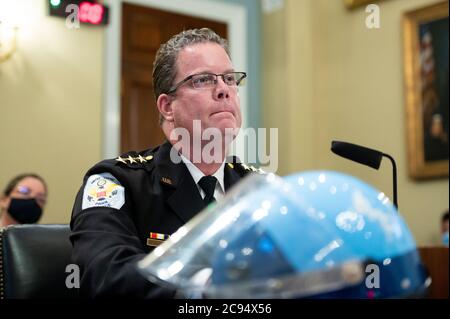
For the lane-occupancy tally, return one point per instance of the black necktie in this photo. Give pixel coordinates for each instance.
(208, 184)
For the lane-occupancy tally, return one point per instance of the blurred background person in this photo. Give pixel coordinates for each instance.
(444, 228)
(23, 200)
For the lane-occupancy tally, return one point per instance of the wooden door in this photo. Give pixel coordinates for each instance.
(143, 30)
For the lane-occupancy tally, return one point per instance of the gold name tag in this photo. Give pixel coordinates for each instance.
(154, 242)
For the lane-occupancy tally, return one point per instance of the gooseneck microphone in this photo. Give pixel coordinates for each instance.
(365, 156)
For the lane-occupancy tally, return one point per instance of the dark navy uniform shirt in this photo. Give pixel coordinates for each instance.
(124, 208)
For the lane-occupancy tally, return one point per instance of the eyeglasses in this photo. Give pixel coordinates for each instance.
(209, 80)
(26, 191)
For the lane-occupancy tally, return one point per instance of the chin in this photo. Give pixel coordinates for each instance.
(226, 125)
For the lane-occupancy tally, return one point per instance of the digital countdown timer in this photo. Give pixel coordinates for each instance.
(89, 12)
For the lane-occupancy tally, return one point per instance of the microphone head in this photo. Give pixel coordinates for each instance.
(357, 153)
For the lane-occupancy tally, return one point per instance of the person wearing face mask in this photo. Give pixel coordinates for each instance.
(444, 228)
(23, 200)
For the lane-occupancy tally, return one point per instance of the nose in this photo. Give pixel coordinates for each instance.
(222, 90)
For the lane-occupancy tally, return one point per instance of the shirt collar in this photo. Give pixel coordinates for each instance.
(198, 174)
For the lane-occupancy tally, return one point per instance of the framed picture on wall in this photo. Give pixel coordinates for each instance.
(352, 4)
(426, 47)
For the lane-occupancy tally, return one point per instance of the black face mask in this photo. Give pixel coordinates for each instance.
(25, 211)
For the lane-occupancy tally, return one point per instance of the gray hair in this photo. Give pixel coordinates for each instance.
(164, 66)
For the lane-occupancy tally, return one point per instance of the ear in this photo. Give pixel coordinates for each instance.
(164, 104)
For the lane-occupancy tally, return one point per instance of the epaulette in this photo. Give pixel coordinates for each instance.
(242, 168)
(138, 161)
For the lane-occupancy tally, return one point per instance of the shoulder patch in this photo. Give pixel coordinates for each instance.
(103, 190)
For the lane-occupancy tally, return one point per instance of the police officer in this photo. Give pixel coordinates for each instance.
(129, 205)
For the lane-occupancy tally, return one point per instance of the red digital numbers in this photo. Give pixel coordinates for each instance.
(91, 12)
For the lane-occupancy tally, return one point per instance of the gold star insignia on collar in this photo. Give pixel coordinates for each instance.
(131, 160)
(252, 168)
(141, 159)
(230, 165)
(120, 159)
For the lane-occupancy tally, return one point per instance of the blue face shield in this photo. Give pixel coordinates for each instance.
(309, 235)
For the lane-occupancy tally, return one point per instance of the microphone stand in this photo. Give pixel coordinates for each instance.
(394, 176)
(366, 156)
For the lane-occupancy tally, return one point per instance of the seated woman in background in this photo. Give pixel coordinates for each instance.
(444, 228)
(23, 200)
